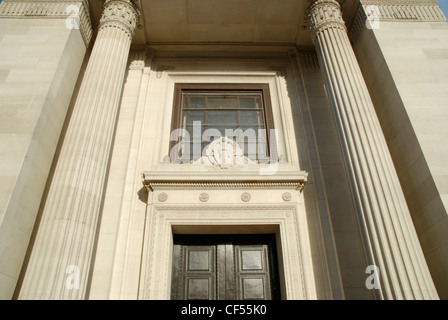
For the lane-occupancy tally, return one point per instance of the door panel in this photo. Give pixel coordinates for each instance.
(199, 272)
(252, 272)
(225, 272)
(224, 268)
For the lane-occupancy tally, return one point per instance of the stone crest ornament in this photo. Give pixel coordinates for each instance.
(204, 197)
(223, 153)
(162, 197)
(245, 196)
(286, 196)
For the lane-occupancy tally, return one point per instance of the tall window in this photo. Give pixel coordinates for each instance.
(204, 112)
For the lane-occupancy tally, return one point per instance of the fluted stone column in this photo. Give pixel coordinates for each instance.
(62, 254)
(389, 236)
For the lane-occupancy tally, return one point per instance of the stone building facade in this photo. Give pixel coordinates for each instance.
(239, 149)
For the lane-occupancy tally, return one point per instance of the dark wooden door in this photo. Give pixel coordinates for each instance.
(236, 267)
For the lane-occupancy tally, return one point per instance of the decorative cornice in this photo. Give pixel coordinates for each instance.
(120, 13)
(152, 186)
(414, 10)
(324, 14)
(394, 10)
(187, 180)
(53, 9)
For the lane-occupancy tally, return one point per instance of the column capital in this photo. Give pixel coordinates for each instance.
(123, 14)
(322, 14)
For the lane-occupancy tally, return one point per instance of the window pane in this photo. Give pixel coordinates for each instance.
(211, 133)
(222, 102)
(195, 133)
(250, 132)
(196, 116)
(220, 113)
(258, 103)
(196, 148)
(246, 133)
(183, 152)
(262, 148)
(222, 130)
(250, 148)
(248, 118)
(238, 134)
(224, 118)
(247, 103)
(197, 102)
(260, 119)
(184, 120)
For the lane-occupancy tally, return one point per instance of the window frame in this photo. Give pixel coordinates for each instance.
(179, 88)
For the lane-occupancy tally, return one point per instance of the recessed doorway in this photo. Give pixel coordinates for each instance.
(225, 267)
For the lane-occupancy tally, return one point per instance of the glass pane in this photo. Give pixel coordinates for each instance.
(222, 130)
(247, 103)
(224, 118)
(222, 102)
(184, 151)
(197, 102)
(196, 149)
(260, 119)
(195, 133)
(250, 148)
(236, 133)
(246, 133)
(262, 149)
(211, 133)
(196, 116)
(258, 104)
(237, 115)
(248, 118)
(250, 132)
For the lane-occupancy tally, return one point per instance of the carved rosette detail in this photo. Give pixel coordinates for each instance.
(204, 197)
(162, 197)
(245, 196)
(286, 196)
(120, 13)
(324, 14)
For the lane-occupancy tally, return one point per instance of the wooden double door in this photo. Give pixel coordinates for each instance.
(224, 267)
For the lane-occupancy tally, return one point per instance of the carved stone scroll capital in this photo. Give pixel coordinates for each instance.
(120, 13)
(323, 14)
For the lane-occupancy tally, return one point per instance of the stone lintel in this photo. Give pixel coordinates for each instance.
(218, 180)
